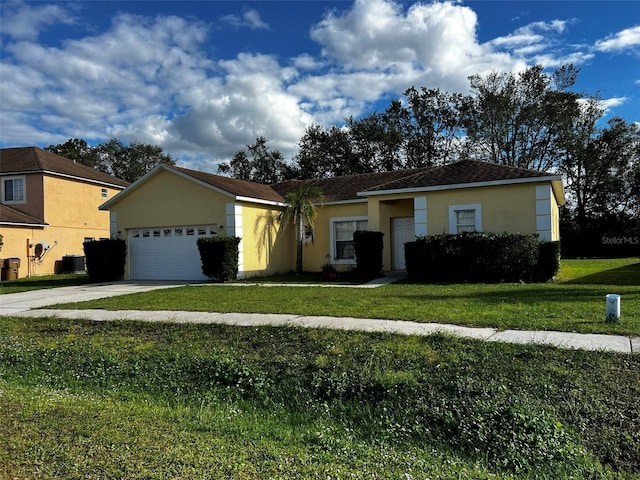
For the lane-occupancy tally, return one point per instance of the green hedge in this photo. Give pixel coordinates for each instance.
(105, 259)
(368, 249)
(548, 261)
(482, 258)
(219, 256)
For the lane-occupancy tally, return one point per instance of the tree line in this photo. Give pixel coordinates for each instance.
(532, 119)
(126, 162)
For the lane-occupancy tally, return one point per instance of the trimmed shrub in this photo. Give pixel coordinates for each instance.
(548, 260)
(105, 259)
(477, 257)
(368, 249)
(219, 257)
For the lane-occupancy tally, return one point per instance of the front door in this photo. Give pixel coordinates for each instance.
(403, 231)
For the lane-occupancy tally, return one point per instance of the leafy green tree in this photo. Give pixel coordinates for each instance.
(602, 176)
(433, 127)
(300, 212)
(521, 119)
(130, 162)
(325, 152)
(377, 141)
(126, 162)
(78, 150)
(266, 165)
(238, 167)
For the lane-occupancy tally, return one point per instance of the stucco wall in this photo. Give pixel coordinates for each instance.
(71, 210)
(268, 246)
(314, 253)
(507, 208)
(168, 200)
(15, 244)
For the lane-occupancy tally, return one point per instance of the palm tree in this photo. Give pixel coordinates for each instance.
(301, 212)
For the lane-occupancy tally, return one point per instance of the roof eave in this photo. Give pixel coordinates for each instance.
(239, 198)
(24, 224)
(341, 202)
(260, 201)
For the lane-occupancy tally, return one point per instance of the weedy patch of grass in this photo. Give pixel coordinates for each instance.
(41, 282)
(87, 399)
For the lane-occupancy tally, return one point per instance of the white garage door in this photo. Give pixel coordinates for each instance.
(167, 253)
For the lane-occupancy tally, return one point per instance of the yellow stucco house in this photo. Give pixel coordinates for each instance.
(162, 214)
(49, 207)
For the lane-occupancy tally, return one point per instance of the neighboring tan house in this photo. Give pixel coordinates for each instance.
(162, 214)
(49, 207)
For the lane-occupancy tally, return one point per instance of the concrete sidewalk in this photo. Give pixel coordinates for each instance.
(29, 304)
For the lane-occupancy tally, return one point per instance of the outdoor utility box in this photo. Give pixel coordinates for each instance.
(73, 264)
(10, 268)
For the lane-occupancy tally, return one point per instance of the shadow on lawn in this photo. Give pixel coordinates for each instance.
(627, 275)
(35, 283)
(522, 295)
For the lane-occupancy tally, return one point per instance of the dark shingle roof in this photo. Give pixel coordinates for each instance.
(33, 159)
(234, 186)
(338, 189)
(459, 173)
(346, 188)
(10, 215)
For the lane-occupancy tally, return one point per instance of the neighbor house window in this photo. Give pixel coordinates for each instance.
(342, 237)
(103, 192)
(465, 218)
(13, 190)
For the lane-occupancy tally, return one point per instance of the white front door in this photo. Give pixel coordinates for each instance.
(403, 231)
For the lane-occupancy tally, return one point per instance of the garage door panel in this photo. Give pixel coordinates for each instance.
(167, 253)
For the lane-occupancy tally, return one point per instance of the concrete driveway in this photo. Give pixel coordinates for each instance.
(13, 303)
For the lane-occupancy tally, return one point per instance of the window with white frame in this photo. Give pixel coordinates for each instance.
(13, 190)
(465, 218)
(342, 229)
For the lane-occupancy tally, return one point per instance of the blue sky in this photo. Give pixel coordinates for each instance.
(203, 78)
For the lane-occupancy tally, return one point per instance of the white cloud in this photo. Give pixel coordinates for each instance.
(23, 21)
(622, 40)
(431, 44)
(252, 101)
(609, 103)
(605, 104)
(152, 79)
(250, 19)
(535, 34)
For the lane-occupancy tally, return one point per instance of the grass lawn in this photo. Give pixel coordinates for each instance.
(94, 400)
(575, 302)
(46, 281)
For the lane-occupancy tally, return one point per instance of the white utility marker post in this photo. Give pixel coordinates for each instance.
(613, 307)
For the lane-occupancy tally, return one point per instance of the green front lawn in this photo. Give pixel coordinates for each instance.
(99, 400)
(41, 282)
(576, 302)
